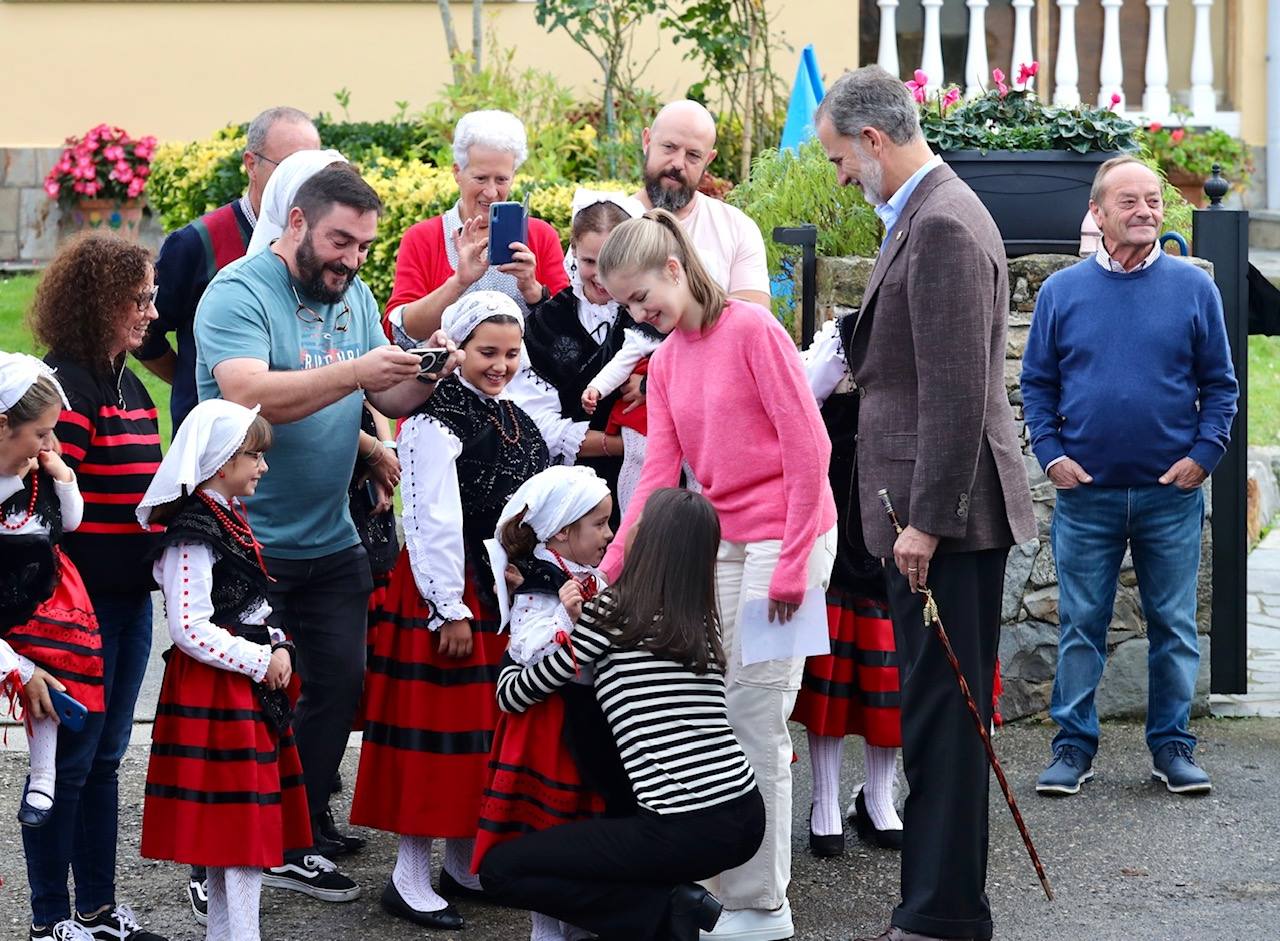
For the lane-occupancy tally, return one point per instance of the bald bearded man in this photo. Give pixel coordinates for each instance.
(678, 148)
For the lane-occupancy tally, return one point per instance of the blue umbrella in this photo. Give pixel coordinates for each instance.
(806, 93)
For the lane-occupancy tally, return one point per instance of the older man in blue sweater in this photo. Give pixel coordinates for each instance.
(1128, 394)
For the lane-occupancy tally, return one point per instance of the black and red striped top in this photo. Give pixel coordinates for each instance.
(111, 439)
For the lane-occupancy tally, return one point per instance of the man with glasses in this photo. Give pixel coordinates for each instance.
(191, 256)
(293, 329)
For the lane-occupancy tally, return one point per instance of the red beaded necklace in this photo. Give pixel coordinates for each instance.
(588, 584)
(236, 526)
(31, 504)
(496, 420)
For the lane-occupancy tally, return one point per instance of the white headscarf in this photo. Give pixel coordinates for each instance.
(282, 187)
(552, 499)
(461, 318)
(18, 373)
(207, 438)
(591, 314)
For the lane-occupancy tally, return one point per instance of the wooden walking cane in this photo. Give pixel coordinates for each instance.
(931, 619)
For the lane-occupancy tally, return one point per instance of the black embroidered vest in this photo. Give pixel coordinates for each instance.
(239, 584)
(540, 576)
(48, 508)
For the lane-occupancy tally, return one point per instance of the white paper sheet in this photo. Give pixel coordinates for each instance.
(805, 635)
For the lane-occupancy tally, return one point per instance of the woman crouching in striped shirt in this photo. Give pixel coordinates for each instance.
(653, 641)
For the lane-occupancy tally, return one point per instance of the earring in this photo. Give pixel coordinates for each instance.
(222, 473)
(574, 267)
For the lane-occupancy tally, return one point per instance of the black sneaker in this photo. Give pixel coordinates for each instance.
(62, 931)
(312, 875)
(198, 895)
(1070, 768)
(1174, 764)
(330, 841)
(119, 924)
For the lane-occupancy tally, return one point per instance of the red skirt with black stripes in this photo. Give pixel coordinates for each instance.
(533, 780)
(222, 788)
(62, 637)
(854, 689)
(428, 719)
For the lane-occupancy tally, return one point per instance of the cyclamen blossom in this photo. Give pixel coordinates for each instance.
(998, 75)
(1027, 72)
(919, 86)
(951, 96)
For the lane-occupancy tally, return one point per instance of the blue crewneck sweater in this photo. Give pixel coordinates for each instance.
(1127, 374)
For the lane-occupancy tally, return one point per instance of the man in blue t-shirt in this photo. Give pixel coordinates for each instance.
(296, 331)
(1128, 394)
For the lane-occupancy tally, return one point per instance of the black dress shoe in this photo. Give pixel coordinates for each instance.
(30, 816)
(335, 843)
(446, 919)
(693, 909)
(866, 828)
(825, 847)
(451, 888)
(335, 786)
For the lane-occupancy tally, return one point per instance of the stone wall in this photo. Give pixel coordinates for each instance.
(31, 223)
(1029, 640)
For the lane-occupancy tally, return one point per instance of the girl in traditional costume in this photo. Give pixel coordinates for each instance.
(430, 706)
(48, 634)
(224, 784)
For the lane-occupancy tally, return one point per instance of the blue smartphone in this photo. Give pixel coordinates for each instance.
(71, 712)
(508, 222)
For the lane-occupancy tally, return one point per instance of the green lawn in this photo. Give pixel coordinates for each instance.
(1264, 390)
(15, 298)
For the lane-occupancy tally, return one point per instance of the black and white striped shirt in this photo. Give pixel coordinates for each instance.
(671, 725)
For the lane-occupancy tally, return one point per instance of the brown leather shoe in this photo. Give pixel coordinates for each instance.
(894, 933)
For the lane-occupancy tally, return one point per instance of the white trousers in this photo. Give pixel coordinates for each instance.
(760, 697)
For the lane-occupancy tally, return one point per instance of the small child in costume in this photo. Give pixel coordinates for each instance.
(224, 785)
(554, 531)
(48, 635)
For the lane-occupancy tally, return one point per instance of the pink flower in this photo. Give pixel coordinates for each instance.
(122, 172)
(1115, 99)
(1154, 127)
(145, 148)
(1177, 134)
(1027, 72)
(136, 187)
(91, 188)
(52, 188)
(143, 170)
(78, 187)
(998, 76)
(950, 98)
(919, 86)
(113, 152)
(64, 165)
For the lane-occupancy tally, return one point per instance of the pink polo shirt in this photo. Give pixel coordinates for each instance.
(735, 404)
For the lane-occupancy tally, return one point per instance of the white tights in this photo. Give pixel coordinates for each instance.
(825, 756)
(42, 739)
(412, 875)
(234, 893)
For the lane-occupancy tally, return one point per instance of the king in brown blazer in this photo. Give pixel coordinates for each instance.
(926, 351)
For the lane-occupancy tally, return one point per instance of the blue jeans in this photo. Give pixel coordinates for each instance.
(81, 833)
(1091, 527)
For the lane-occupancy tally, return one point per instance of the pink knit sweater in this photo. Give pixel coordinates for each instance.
(734, 403)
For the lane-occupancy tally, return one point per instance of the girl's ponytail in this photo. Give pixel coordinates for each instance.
(518, 537)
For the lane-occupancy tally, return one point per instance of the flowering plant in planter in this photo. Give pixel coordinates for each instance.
(1191, 153)
(1005, 118)
(105, 164)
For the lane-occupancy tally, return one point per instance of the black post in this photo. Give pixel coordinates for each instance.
(1221, 236)
(805, 236)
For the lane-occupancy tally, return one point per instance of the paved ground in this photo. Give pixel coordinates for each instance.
(1263, 606)
(1128, 860)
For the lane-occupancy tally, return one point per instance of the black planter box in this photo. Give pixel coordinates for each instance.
(1038, 198)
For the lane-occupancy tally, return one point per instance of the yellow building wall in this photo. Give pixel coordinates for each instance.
(179, 70)
(1249, 48)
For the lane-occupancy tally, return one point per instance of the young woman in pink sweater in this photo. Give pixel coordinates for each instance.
(727, 393)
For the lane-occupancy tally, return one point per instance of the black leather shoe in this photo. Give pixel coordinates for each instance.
(825, 847)
(335, 786)
(30, 816)
(693, 909)
(446, 919)
(336, 843)
(451, 888)
(866, 828)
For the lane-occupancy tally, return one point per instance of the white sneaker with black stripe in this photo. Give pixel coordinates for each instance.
(63, 931)
(198, 896)
(312, 875)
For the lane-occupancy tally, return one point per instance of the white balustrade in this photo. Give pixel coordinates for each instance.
(887, 58)
(1155, 97)
(1023, 53)
(1204, 103)
(1066, 74)
(976, 71)
(931, 57)
(1111, 71)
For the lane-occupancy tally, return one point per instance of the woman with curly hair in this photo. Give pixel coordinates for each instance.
(92, 308)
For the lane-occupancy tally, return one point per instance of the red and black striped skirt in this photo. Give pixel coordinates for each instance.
(62, 637)
(854, 689)
(428, 719)
(534, 782)
(376, 618)
(222, 788)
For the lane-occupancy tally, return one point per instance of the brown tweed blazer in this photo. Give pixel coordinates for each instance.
(927, 351)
